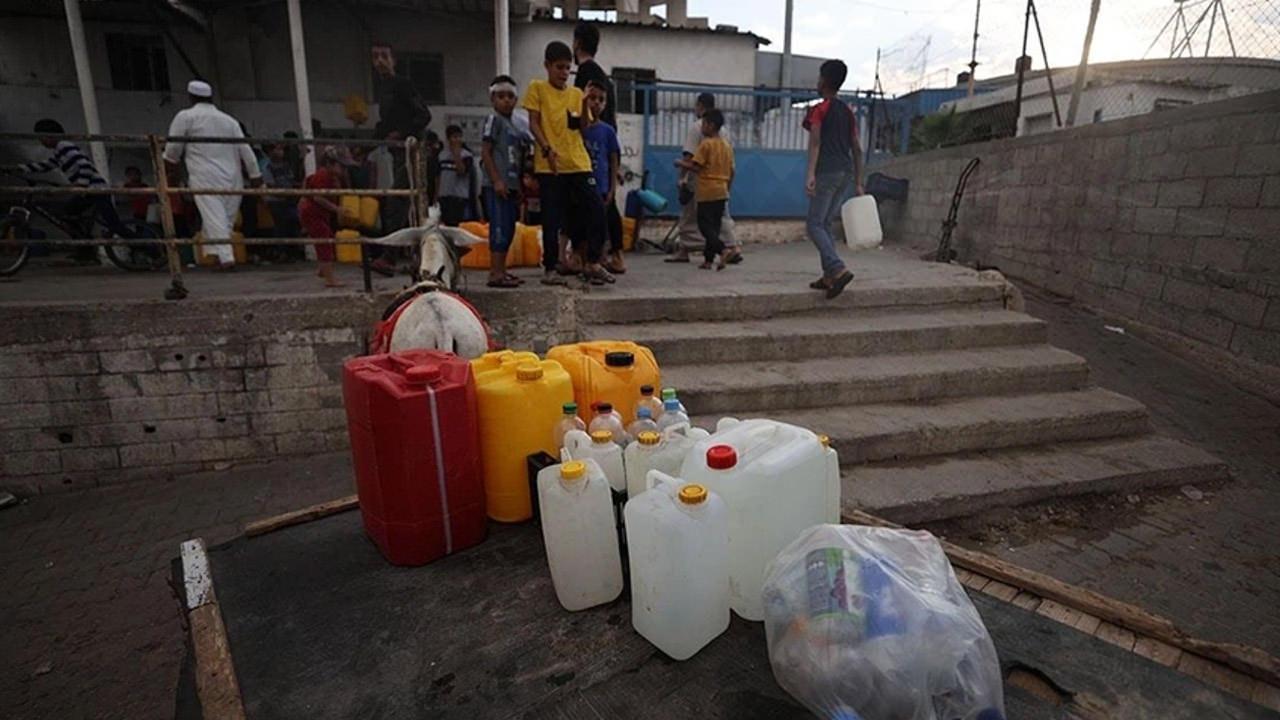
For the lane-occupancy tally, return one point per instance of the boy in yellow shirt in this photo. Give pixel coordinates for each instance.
(558, 114)
(713, 161)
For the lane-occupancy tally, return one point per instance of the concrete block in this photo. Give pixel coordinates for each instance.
(194, 381)
(1143, 283)
(1171, 249)
(1202, 134)
(1154, 220)
(1263, 159)
(169, 406)
(1233, 192)
(1242, 307)
(282, 354)
(1270, 192)
(123, 361)
(1260, 345)
(1139, 194)
(250, 448)
(25, 390)
(1209, 328)
(185, 357)
(1221, 253)
(1130, 245)
(48, 364)
(195, 450)
(1212, 162)
(1260, 223)
(1189, 295)
(1170, 166)
(146, 455)
(251, 401)
(323, 396)
(1201, 221)
(1263, 258)
(299, 443)
(1149, 142)
(1107, 274)
(1271, 321)
(14, 464)
(1161, 314)
(1181, 193)
(78, 459)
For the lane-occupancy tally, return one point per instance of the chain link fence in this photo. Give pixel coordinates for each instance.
(1144, 56)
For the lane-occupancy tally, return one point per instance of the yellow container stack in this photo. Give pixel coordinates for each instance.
(608, 371)
(519, 402)
(348, 253)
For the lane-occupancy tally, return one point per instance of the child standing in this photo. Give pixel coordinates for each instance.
(602, 144)
(557, 116)
(456, 165)
(317, 213)
(713, 161)
(501, 155)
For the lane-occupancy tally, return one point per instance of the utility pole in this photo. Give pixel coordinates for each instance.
(785, 81)
(1083, 67)
(973, 58)
(1017, 100)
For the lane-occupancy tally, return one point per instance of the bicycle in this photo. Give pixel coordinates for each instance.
(16, 225)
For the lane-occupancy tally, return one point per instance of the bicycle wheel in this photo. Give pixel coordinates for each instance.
(13, 257)
(136, 257)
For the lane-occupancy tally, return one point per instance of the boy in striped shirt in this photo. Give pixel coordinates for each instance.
(79, 171)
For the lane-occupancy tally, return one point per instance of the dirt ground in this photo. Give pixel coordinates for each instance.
(1203, 556)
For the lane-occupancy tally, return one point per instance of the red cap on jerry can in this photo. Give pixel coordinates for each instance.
(721, 457)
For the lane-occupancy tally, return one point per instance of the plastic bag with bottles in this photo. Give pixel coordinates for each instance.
(870, 623)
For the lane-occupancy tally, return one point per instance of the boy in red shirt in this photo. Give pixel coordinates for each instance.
(317, 214)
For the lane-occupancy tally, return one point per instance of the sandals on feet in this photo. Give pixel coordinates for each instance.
(506, 281)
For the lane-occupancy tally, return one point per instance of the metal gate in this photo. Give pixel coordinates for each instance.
(765, 128)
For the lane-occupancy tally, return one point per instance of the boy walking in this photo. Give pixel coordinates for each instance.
(835, 167)
(317, 213)
(557, 116)
(501, 155)
(456, 164)
(713, 162)
(602, 145)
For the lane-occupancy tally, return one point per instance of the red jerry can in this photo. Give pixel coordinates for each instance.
(415, 443)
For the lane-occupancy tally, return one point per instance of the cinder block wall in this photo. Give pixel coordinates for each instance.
(1171, 218)
(110, 392)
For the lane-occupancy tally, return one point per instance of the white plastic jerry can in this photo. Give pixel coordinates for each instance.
(665, 453)
(598, 446)
(834, 506)
(861, 222)
(579, 533)
(637, 460)
(678, 540)
(774, 480)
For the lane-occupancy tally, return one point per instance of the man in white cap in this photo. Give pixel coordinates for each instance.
(211, 165)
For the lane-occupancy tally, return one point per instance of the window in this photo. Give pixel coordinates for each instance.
(1169, 104)
(1097, 115)
(424, 70)
(137, 62)
(629, 84)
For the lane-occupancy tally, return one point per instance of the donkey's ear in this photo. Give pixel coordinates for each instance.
(460, 238)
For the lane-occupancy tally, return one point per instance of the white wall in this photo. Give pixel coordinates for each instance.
(719, 58)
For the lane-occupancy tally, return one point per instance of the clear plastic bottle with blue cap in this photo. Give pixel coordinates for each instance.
(643, 422)
(672, 414)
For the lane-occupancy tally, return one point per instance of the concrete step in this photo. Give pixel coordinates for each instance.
(935, 489)
(753, 302)
(717, 388)
(867, 433)
(821, 336)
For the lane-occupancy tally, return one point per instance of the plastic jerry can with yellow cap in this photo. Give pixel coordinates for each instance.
(580, 535)
(775, 480)
(599, 445)
(500, 360)
(658, 450)
(518, 406)
(610, 371)
(678, 543)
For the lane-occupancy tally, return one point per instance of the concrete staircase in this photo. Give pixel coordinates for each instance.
(939, 401)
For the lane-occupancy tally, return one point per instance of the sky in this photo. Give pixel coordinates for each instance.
(929, 41)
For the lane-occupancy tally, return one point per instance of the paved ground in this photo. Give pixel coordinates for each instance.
(1212, 563)
(91, 628)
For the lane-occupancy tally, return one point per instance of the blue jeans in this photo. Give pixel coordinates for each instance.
(502, 213)
(829, 194)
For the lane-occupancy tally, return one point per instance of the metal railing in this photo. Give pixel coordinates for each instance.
(162, 191)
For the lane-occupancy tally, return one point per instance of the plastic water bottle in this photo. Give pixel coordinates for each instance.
(670, 394)
(672, 414)
(648, 400)
(570, 421)
(644, 421)
(608, 419)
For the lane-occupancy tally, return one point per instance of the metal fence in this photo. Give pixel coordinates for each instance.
(1143, 56)
(163, 192)
(765, 128)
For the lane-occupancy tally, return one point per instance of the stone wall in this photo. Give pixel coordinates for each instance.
(1171, 219)
(111, 392)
